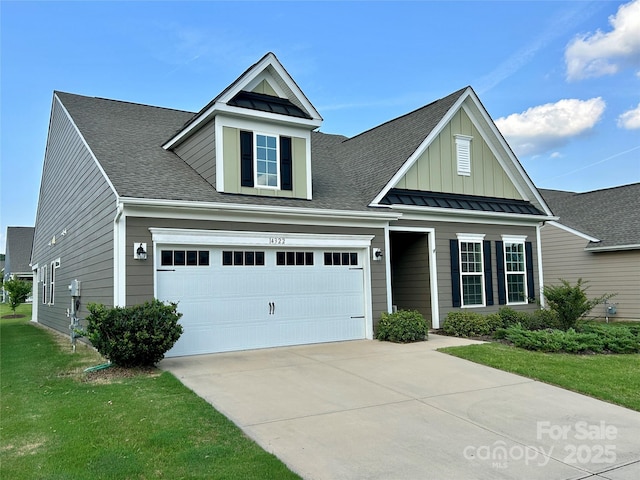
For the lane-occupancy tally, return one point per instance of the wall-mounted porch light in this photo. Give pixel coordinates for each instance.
(140, 251)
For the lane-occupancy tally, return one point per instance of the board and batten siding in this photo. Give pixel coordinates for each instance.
(564, 257)
(139, 279)
(231, 149)
(436, 169)
(74, 223)
(199, 152)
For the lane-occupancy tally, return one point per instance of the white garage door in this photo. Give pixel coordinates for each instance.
(236, 298)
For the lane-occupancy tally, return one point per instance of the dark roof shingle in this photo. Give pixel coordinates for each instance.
(611, 215)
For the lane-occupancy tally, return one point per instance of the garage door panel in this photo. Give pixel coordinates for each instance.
(231, 307)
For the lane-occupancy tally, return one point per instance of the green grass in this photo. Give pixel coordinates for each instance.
(612, 378)
(24, 309)
(56, 424)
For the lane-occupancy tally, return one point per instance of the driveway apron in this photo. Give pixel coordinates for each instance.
(377, 410)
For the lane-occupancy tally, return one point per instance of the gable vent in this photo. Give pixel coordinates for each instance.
(463, 154)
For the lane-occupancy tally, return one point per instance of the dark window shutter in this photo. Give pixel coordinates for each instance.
(528, 252)
(246, 159)
(502, 292)
(488, 281)
(455, 273)
(286, 161)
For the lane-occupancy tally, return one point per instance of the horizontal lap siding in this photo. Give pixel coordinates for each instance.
(75, 196)
(140, 274)
(199, 152)
(564, 257)
(445, 231)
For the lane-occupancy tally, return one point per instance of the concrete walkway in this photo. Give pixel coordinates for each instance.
(377, 410)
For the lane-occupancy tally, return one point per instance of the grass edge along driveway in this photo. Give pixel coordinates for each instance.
(612, 378)
(54, 424)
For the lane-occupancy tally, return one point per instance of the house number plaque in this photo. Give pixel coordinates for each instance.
(276, 240)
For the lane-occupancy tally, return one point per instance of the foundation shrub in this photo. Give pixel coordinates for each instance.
(135, 336)
(591, 339)
(403, 326)
(471, 324)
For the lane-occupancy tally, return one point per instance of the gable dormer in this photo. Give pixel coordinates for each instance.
(254, 138)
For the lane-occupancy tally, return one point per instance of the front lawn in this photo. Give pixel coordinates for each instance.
(58, 423)
(612, 378)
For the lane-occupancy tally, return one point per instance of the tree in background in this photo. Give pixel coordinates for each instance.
(18, 291)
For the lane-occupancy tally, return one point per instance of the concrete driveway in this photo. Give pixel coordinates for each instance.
(377, 410)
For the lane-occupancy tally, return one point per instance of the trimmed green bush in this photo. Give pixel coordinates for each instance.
(510, 316)
(540, 320)
(471, 324)
(403, 326)
(593, 339)
(134, 336)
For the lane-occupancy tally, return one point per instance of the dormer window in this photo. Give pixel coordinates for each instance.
(265, 161)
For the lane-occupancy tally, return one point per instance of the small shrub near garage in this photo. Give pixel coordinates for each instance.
(403, 326)
(471, 324)
(136, 336)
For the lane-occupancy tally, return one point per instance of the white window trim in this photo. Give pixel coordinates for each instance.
(45, 286)
(463, 154)
(256, 185)
(520, 240)
(471, 238)
(52, 281)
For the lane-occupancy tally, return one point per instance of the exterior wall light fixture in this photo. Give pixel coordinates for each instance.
(140, 252)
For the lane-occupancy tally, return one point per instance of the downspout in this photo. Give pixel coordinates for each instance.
(540, 270)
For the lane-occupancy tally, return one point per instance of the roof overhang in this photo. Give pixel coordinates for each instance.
(251, 212)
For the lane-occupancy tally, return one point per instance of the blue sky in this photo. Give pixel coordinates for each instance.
(561, 79)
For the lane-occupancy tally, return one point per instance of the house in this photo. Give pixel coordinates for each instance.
(597, 238)
(18, 255)
(268, 232)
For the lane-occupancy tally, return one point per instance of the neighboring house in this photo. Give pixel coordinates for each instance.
(268, 232)
(17, 263)
(597, 238)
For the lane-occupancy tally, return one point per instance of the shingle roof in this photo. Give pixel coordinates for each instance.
(18, 249)
(611, 215)
(453, 201)
(385, 148)
(348, 173)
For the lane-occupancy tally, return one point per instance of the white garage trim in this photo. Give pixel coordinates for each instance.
(262, 239)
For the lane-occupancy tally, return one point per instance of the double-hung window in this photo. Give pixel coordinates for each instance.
(471, 270)
(267, 171)
(515, 269)
(266, 161)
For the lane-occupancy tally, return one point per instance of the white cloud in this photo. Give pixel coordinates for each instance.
(600, 53)
(546, 127)
(630, 119)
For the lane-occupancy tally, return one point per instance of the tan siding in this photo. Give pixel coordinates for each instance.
(231, 153)
(140, 274)
(73, 196)
(199, 151)
(436, 169)
(564, 257)
(444, 231)
(410, 281)
(231, 142)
